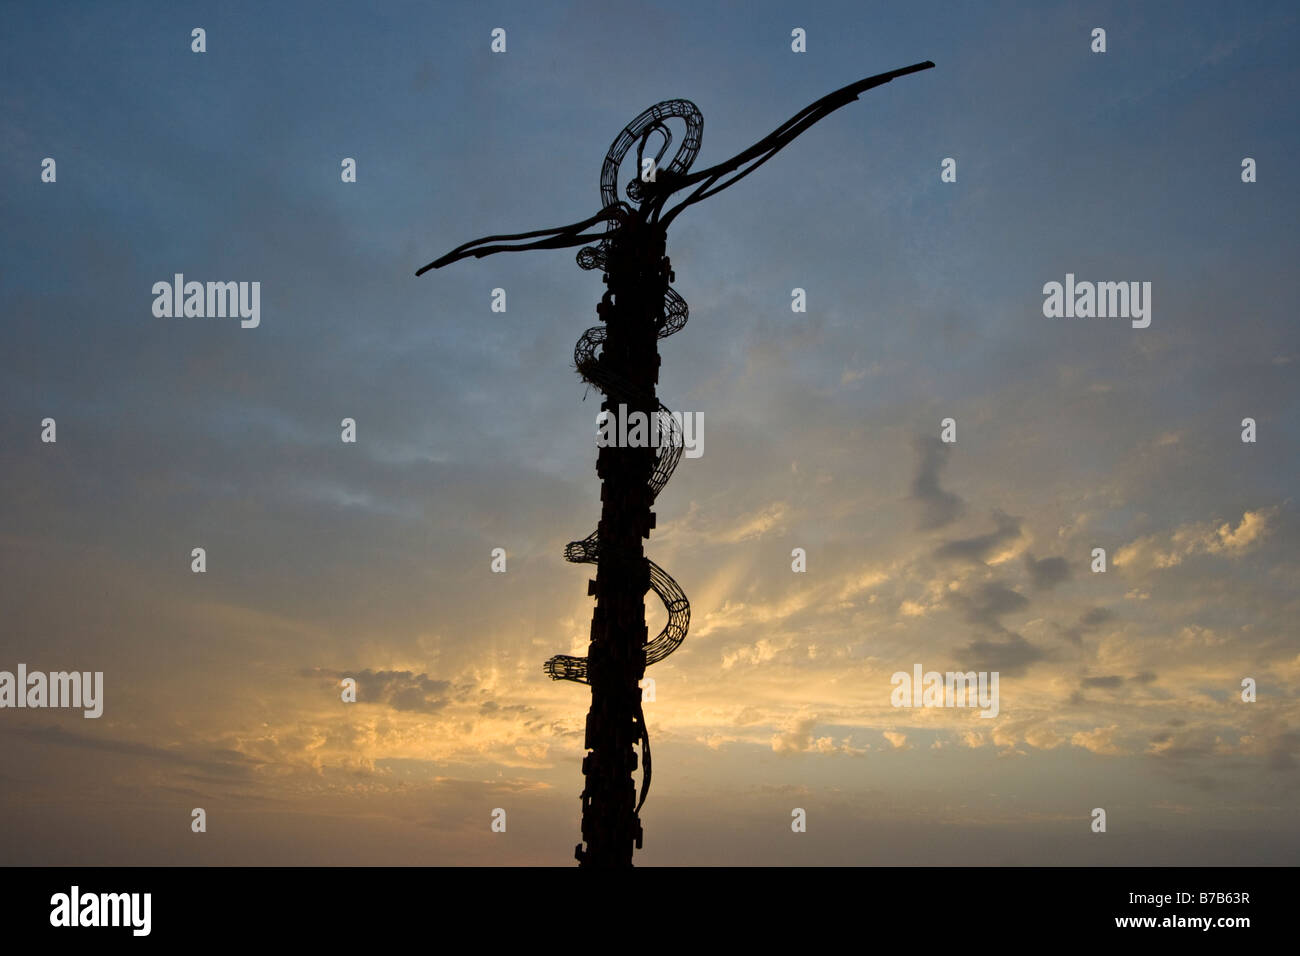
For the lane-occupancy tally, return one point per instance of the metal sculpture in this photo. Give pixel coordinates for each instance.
(621, 359)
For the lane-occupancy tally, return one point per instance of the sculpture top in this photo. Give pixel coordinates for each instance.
(651, 197)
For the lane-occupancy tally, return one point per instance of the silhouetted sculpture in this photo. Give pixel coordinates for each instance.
(638, 309)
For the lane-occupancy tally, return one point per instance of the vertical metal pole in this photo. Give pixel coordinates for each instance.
(632, 310)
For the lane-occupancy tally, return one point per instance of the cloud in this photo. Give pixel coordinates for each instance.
(1010, 657)
(1281, 750)
(984, 546)
(1043, 737)
(1187, 744)
(492, 708)
(1273, 741)
(1167, 550)
(990, 602)
(1099, 740)
(217, 762)
(937, 506)
(1108, 683)
(755, 525)
(799, 739)
(1090, 620)
(1047, 573)
(985, 607)
(759, 652)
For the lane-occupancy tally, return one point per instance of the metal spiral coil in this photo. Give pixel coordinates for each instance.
(587, 360)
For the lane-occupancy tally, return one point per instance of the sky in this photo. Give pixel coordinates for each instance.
(1119, 690)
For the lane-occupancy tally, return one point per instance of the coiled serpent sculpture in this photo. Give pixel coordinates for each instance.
(592, 371)
(650, 194)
